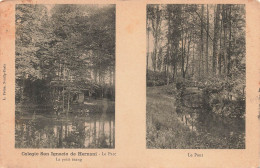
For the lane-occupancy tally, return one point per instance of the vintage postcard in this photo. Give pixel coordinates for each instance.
(129, 83)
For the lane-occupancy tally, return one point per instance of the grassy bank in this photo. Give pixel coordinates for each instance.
(164, 129)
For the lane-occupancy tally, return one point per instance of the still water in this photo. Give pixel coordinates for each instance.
(84, 128)
(195, 113)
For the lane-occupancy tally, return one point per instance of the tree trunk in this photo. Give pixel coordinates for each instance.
(182, 51)
(168, 47)
(193, 61)
(202, 41)
(148, 50)
(63, 90)
(215, 40)
(229, 45)
(68, 95)
(188, 55)
(23, 86)
(225, 36)
(220, 44)
(207, 47)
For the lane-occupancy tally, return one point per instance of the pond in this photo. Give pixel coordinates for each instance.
(91, 125)
(218, 131)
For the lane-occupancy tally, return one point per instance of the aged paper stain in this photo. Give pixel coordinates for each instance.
(131, 27)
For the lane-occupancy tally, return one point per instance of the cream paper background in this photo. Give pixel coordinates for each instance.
(130, 114)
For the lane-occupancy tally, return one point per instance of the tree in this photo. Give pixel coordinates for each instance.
(52, 45)
(215, 40)
(179, 29)
(156, 19)
(207, 44)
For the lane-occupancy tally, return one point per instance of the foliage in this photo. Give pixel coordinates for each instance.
(180, 32)
(72, 44)
(164, 129)
(201, 77)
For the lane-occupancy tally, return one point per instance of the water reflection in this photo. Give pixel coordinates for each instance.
(90, 130)
(187, 109)
(195, 113)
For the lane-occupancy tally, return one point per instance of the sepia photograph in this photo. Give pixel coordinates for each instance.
(65, 76)
(195, 76)
(105, 83)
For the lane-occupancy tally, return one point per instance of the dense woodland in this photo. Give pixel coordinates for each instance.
(196, 56)
(64, 50)
(196, 42)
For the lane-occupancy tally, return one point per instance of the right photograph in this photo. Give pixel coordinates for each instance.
(195, 76)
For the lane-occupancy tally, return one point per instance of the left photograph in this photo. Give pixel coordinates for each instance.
(65, 76)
